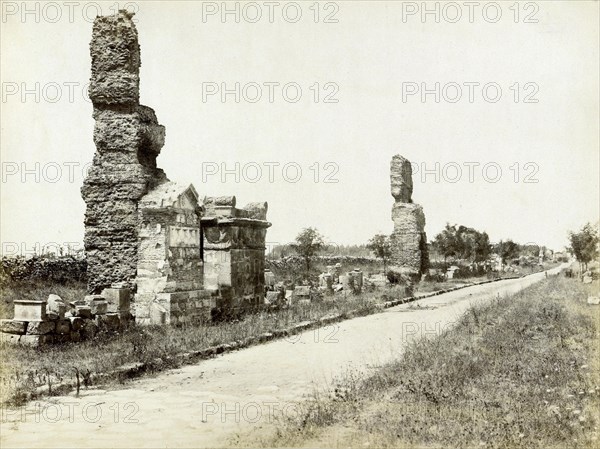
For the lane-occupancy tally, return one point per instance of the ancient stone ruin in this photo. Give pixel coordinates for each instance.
(182, 256)
(408, 240)
(128, 139)
(155, 252)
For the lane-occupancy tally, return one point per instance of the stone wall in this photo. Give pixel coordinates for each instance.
(408, 240)
(128, 139)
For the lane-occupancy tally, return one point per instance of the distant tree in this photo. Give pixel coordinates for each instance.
(446, 242)
(507, 250)
(584, 245)
(462, 242)
(482, 248)
(308, 244)
(381, 247)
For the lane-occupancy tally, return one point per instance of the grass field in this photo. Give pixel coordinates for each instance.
(520, 372)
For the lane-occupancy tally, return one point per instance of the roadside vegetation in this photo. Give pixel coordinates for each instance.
(522, 371)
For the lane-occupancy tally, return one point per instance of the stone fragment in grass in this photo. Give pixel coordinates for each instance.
(56, 306)
(109, 322)
(62, 338)
(13, 326)
(593, 300)
(36, 341)
(99, 307)
(41, 327)
(83, 311)
(9, 338)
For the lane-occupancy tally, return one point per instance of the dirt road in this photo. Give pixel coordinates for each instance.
(218, 401)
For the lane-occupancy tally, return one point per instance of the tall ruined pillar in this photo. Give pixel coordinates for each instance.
(409, 242)
(128, 139)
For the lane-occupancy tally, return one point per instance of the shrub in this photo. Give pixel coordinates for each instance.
(60, 269)
(394, 277)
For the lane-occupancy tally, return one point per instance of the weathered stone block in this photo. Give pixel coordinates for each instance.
(56, 306)
(13, 327)
(89, 329)
(41, 327)
(401, 179)
(63, 326)
(118, 299)
(158, 314)
(88, 299)
(10, 338)
(26, 310)
(109, 322)
(272, 298)
(83, 311)
(36, 340)
(99, 307)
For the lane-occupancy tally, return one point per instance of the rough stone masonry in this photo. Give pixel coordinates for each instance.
(128, 139)
(409, 242)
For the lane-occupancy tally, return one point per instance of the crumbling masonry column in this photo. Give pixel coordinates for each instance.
(128, 139)
(409, 242)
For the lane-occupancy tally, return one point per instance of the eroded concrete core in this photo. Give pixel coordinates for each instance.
(128, 139)
(409, 242)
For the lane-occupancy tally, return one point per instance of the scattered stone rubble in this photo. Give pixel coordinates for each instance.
(38, 323)
(408, 240)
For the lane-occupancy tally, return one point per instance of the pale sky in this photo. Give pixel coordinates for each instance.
(373, 54)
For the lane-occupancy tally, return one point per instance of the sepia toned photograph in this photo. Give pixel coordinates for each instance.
(313, 224)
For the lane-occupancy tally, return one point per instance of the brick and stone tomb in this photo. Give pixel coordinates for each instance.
(169, 268)
(233, 249)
